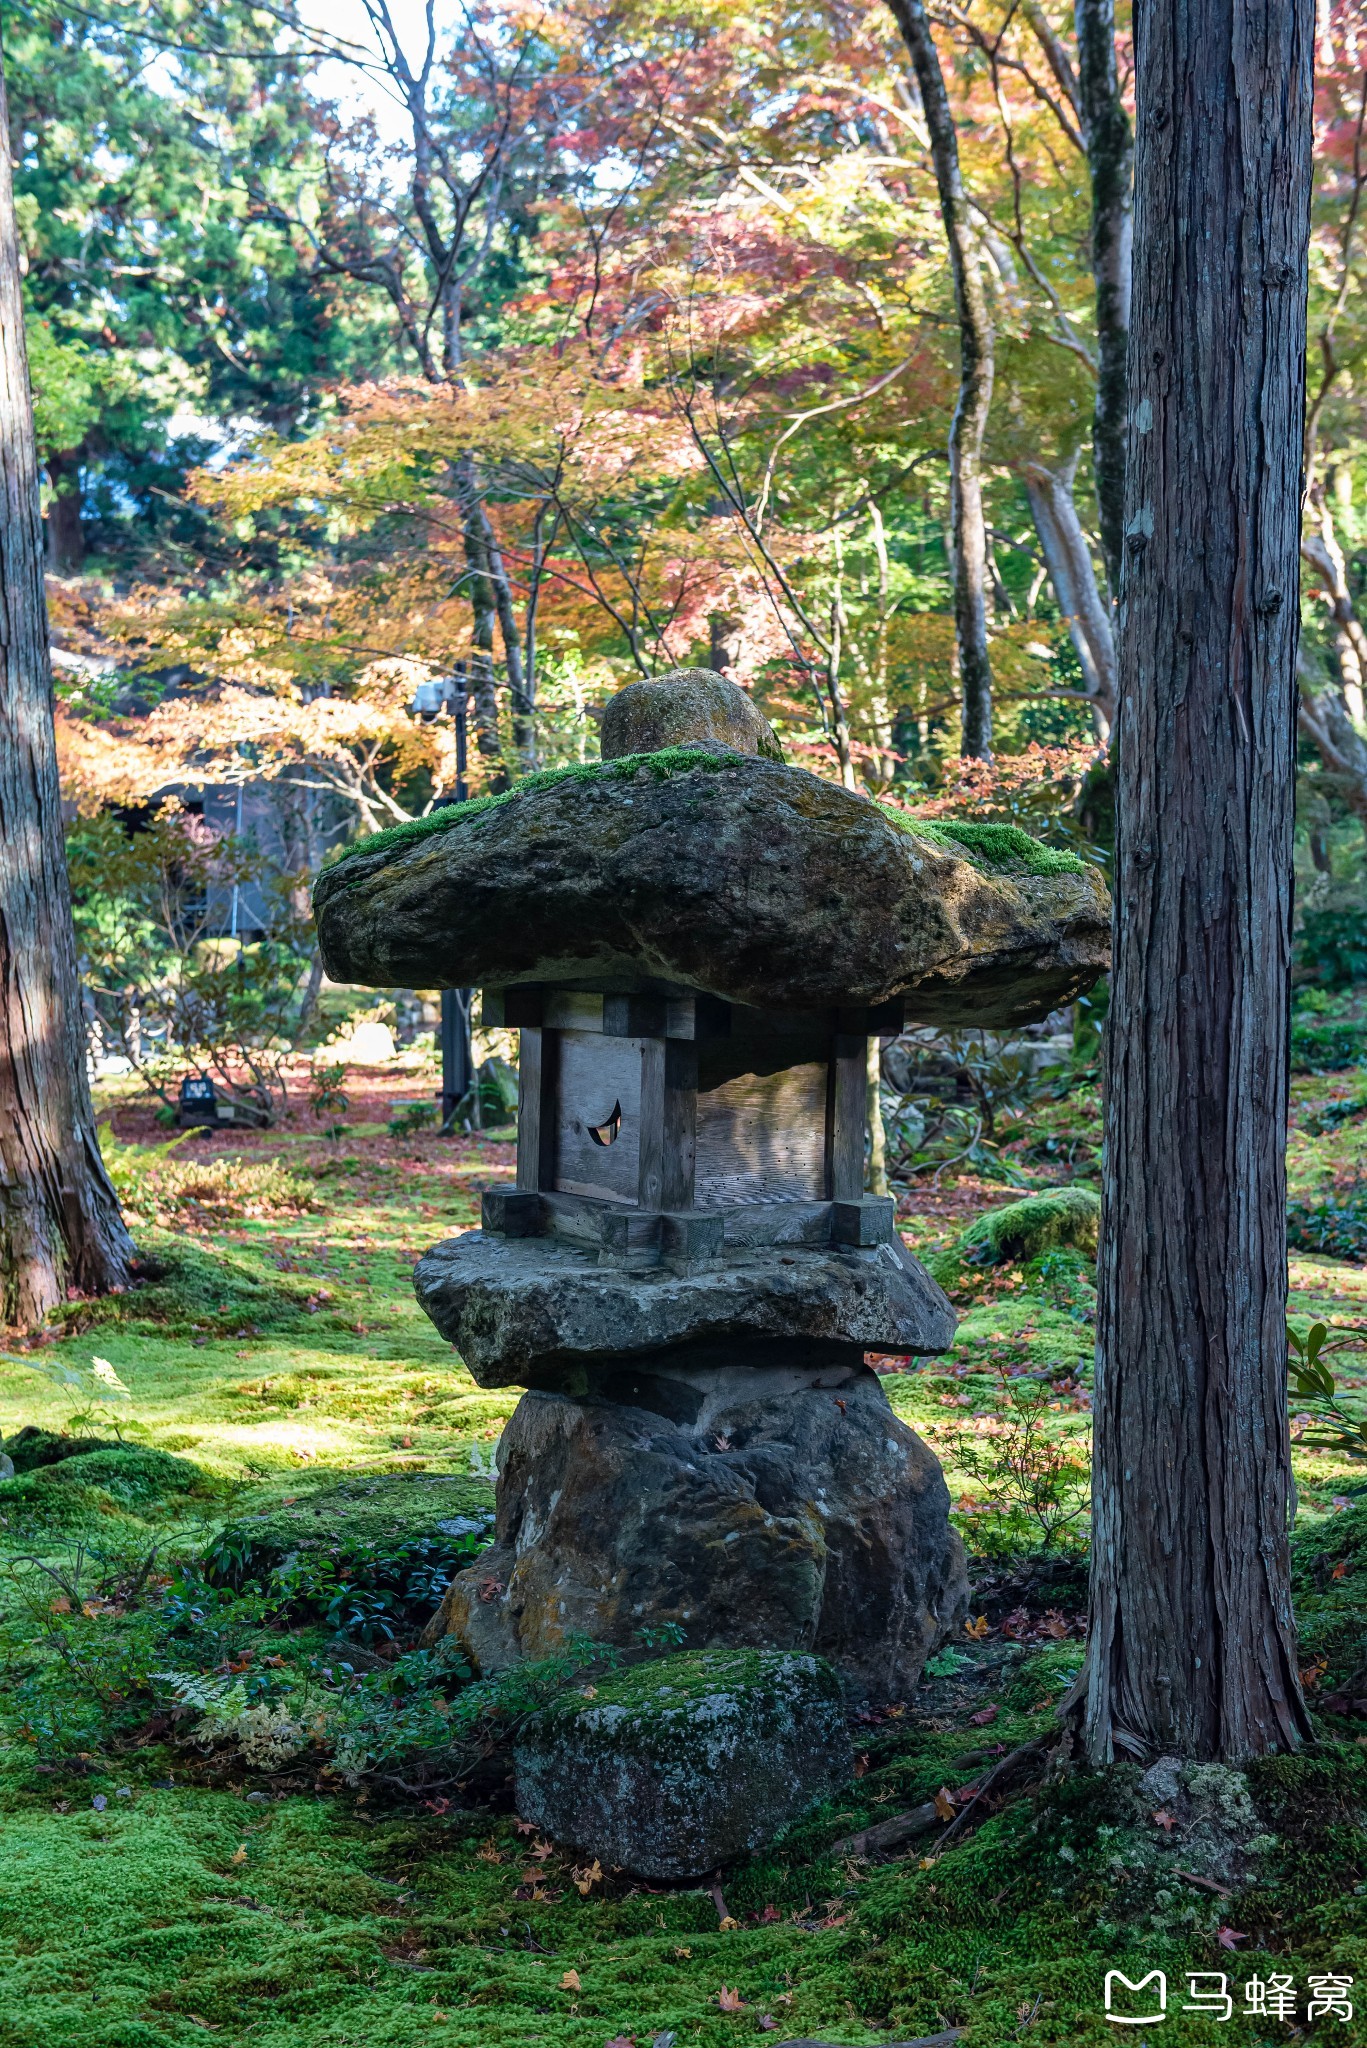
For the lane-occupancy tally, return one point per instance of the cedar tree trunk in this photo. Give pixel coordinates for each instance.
(1106, 132)
(1192, 1646)
(975, 386)
(60, 1226)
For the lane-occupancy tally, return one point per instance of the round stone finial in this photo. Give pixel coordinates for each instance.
(687, 705)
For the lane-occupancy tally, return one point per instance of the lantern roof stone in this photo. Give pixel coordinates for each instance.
(701, 868)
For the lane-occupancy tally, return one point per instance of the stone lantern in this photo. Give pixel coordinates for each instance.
(697, 943)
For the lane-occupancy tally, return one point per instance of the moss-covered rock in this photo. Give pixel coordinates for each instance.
(30, 1448)
(135, 1475)
(679, 710)
(90, 1482)
(1039, 1223)
(676, 1766)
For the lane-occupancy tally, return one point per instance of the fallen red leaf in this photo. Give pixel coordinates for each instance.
(730, 2001)
(1165, 1820)
(980, 1720)
(1230, 1937)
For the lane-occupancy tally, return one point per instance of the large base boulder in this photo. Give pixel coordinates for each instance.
(749, 1506)
(674, 1767)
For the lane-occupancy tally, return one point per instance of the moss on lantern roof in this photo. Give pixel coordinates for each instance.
(668, 761)
(998, 846)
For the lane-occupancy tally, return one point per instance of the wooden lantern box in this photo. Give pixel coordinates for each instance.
(678, 1127)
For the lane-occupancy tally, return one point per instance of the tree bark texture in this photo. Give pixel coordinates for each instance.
(1110, 160)
(976, 364)
(60, 1226)
(1192, 1648)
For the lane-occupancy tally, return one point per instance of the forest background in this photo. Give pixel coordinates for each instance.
(570, 345)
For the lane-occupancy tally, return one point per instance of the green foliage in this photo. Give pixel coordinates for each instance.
(1312, 1383)
(954, 1100)
(1333, 1115)
(1331, 946)
(66, 381)
(1326, 1033)
(1035, 1484)
(371, 1557)
(154, 189)
(161, 1185)
(1333, 1222)
(409, 1117)
(167, 991)
(1067, 1278)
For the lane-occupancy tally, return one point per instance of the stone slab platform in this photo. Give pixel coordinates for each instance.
(536, 1312)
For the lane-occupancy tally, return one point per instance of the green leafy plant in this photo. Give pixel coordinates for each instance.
(409, 1117)
(1326, 1033)
(327, 1097)
(367, 1591)
(1312, 1383)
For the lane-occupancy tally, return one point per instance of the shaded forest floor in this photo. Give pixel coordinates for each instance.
(155, 1890)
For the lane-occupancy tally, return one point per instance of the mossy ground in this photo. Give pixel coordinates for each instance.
(153, 1896)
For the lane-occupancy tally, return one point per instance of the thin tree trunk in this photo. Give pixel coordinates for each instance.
(519, 694)
(1110, 160)
(976, 359)
(876, 1172)
(60, 1226)
(1325, 721)
(1069, 562)
(1192, 1646)
(65, 534)
(1322, 551)
(483, 611)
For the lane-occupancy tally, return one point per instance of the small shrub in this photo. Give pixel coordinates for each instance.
(409, 1117)
(1067, 1279)
(1325, 1048)
(371, 1557)
(1331, 946)
(1333, 1115)
(1333, 1223)
(1035, 1487)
